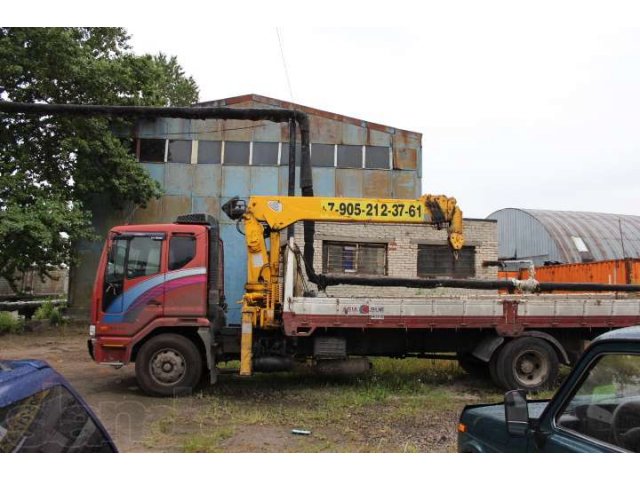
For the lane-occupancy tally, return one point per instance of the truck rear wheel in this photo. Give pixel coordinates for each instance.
(527, 363)
(167, 365)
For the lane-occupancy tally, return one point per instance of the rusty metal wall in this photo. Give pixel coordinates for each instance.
(205, 187)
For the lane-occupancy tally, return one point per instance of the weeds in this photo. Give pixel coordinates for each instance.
(48, 311)
(10, 324)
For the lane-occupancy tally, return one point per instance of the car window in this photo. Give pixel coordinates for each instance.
(51, 421)
(606, 406)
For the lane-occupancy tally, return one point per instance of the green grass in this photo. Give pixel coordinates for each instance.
(392, 408)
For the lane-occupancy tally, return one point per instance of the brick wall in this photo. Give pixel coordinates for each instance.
(402, 252)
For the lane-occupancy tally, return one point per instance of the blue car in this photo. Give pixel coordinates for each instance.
(41, 412)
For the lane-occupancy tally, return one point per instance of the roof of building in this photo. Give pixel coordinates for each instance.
(252, 97)
(606, 236)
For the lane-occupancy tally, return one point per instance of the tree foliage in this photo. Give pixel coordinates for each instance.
(52, 167)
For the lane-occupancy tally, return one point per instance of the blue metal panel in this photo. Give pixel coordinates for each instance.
(207, 180)
(209, 205)
(156, 171)
(178, 179)
(235, 270)
(179, 128)
(264, 181)
(349, 182)
(324, 182)
(236, 181)
(283, 181)
(153, 129)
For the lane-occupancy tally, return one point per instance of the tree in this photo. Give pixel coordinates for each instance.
(51, 167)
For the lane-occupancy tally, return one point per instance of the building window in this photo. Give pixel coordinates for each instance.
(236, 153)
(265, 153)
(152, 150)
(179, 151)
(284, 155)
(359, 258)
(377, 157)
(209, 152)
(349, 156)
(322, 155)
(437, 261)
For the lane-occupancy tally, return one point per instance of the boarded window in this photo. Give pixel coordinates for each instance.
(152, 150)
(209, 152)
(360, 258)
(349, 156)
(179, 151)
(436, 261)
(236, 153)
(284, 157)
(322, 155)
(377, 157)
(265, 153)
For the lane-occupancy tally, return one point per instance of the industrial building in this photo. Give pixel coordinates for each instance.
(202, 164)
(548, 236)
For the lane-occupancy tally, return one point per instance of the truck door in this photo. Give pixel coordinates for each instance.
(133, 292)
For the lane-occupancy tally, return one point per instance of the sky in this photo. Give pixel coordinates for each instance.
(529, 105)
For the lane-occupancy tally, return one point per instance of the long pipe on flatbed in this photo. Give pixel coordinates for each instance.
(529, 285)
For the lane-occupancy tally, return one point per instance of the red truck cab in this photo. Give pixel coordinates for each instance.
(158, 280)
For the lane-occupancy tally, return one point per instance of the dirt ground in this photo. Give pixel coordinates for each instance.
(403, 406)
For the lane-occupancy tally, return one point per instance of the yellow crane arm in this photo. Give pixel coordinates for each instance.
(262, 290)
(279, 212)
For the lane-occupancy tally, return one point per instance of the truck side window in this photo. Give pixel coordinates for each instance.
(51, 421)
(182, 249)
(606, 406)
(144, 257)
(114, 274)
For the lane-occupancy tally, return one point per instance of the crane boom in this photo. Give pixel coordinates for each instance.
(267, 216)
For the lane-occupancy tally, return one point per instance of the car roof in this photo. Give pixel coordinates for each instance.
(21, 378)
(625, 334)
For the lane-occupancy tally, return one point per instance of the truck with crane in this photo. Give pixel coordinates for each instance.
(158, 301)
(158, 297)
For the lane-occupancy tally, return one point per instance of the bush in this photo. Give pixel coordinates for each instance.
(44, 311)
(10, 324)
(56, 319)
(47, 311)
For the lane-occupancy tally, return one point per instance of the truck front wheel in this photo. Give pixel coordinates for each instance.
(527, 363)
(168, 364)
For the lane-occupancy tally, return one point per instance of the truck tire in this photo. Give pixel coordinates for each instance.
(168, 365)
(527, 363)
(473, 366)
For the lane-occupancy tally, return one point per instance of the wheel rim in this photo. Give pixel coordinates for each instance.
(168, 366)
(531, 368)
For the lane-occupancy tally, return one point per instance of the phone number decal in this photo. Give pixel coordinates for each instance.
(375, 210)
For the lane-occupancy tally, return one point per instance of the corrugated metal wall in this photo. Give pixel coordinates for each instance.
(196, 187)
(566, 237)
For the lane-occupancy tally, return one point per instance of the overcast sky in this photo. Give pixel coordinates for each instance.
(531, 109)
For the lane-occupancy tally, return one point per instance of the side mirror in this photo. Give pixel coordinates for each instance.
(516, 412)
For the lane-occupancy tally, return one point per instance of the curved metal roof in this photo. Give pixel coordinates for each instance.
(606, 236)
